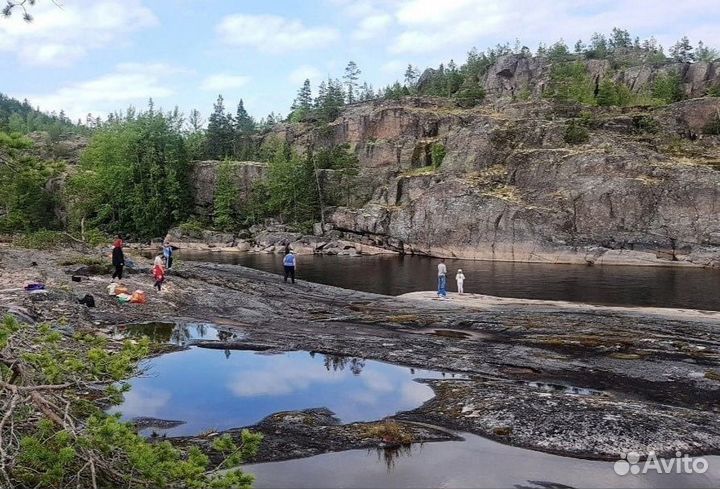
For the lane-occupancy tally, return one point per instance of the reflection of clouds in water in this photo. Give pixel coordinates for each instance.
(414, 393)
(144, 401)
(376, 381)
(280, 377)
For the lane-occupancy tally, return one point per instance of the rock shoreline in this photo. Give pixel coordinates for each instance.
(659, 370)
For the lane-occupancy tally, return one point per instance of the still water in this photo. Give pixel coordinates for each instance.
(474, 463)
(215, 389)
(393, 275)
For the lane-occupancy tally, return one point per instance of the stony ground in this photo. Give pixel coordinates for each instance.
(582, 381)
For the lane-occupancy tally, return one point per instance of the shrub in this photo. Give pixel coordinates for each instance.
(437, 154)
(576, 133)
(667, 88)
(41, 240)
(192, 228)
(646, 123)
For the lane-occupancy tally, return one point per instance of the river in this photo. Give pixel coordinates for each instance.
(693, 288)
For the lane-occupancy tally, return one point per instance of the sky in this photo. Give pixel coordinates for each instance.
(98, 56)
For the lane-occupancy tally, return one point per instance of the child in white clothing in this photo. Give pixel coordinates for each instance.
(460, 278)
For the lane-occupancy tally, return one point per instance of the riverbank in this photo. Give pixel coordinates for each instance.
(581, 381)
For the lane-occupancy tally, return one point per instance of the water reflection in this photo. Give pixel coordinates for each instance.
(211, 389)
(390, 455)
(175, 334)
(474, 463)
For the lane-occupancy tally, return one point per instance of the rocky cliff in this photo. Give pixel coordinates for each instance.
(514, 74)
(203, 182)
(642, 189)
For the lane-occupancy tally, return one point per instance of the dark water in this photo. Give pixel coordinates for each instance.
(473, 463)
(216, 389)
(393, 275)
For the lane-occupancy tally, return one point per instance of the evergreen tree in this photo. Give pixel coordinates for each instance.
(682, 51)
(706, 53)
(219, 132)
(302, 106)
(620, 38)
(579, 47)
(352, 74)
(244, 123)
(195, 121)
(225, 201)
(411, 76)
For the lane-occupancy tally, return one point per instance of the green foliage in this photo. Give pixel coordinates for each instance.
(20, 117)
(296, 188)
(576, 133)
(437, 154)
(26, 203)
(192, 228)
(133, 177)
(8, 327)
(646, 123)
(570, 82)
(667, 88)
(226, 195)
(714, 91)
(101, 449)
(42, 239)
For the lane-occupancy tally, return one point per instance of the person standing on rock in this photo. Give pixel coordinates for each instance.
(167, 255)
(460, 278)
(158, 272)
(442, 279)
(118, 259)
(289, 263)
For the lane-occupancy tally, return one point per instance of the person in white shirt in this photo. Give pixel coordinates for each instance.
(460, 278)
(442, 279)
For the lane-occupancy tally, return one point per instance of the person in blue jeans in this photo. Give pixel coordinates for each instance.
(289, 264)
(442, 279)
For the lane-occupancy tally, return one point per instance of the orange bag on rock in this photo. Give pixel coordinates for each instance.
(138, 297)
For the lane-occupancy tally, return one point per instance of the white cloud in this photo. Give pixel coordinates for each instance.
(221, 82)
(272, 33)
(129, 83)
(372, 26)
(305, 72)
(281, 378)
(59, 36)
(394, 67)
(430, 26)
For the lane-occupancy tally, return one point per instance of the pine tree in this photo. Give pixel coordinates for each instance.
(195, 121)
(411, 76)
(352, 74)
(302, 106)
(219, 132)
(706, 53)
(244, 123)
(682, 51)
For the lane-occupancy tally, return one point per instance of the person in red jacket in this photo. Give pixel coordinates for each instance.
(158, 272)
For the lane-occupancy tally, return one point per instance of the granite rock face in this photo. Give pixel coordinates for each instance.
(203, 182)
(643, 189)
(515, 73)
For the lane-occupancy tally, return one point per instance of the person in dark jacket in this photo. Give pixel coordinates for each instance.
(118, 259)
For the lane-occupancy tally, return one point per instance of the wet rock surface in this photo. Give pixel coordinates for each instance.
(295, 434)
(657, 369)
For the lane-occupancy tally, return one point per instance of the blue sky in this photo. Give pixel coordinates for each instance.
(101, 55)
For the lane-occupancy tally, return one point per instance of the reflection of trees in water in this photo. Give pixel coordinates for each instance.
(390, 455)
(338, 362)
(156, 332)
(180, 335)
